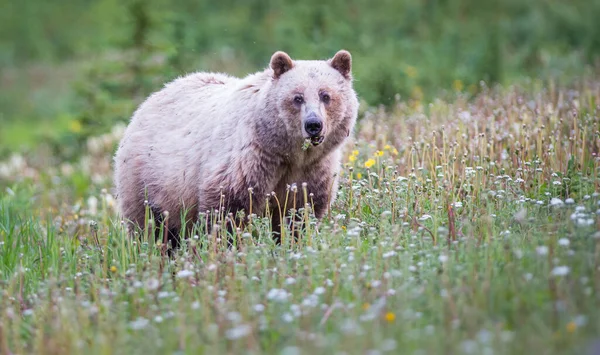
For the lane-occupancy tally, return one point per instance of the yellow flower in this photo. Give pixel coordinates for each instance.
(352, 158)
(410, 71)
(344, 227)
(387, 147)
(75, 126)
(355, 152)
(379, 153)
(369, 163)
(390, 317)
(113, 269)
(358, 175)
(457, 85)
(417, 93)
(366, 306)
(571, 327)
(395, 151)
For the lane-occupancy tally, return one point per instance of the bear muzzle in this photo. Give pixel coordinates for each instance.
(313, 129)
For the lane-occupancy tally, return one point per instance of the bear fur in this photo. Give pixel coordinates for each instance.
(204, 139)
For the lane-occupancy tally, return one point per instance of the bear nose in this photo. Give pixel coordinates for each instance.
(313, 127)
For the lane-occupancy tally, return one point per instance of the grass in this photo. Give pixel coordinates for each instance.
(464, 227)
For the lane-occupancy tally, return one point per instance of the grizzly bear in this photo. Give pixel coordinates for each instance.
(209, 140)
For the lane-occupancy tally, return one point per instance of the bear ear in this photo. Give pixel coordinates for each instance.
(280, 63)
(342, 62)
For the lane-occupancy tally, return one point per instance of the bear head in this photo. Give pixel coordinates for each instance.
(315, 98)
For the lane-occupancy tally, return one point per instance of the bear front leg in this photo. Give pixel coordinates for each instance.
(321, 186)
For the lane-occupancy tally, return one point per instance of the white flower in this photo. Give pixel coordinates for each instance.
(152, 284)
(28, 312)
(196, 305)
(560, 271)
(580, 320)
(425, 217)
(290, 281)
(585, 222)
(183, 274)
(443, 258)
(158, 319)
(238, 332)
(542, 250)
(556, 202)
(290, 350)
(556, 183)
(569, 201)
(288, 318)
(278, 295)
(259, 308)
(388, 345)
(388, 254)
(563, 242)
(319, 290)
(139, 323)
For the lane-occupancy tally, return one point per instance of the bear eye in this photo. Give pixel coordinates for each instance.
(325, 97)
(299, 99)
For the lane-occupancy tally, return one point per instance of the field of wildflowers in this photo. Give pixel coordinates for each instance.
(463, 227)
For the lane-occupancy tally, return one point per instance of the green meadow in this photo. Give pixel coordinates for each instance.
(467, 219)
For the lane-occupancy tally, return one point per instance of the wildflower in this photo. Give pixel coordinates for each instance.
(238, 332)
(290, 350)
(390, 317)
(556, 202)
(288, 318)
(358, 175)
(75, 126)
(571, 327)
(277, 295)
(387, 147)
(560, 271)
(366, 306)
(113, 269)
(352, 158)
(563, 242)
(379, 153)
(369, 163)
(355, 152)
(319, 290)
(139, 323)
(457, 85)
(388, 345)
(542, 250)
(183, 274)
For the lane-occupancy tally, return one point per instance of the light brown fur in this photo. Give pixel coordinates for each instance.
(208, 131)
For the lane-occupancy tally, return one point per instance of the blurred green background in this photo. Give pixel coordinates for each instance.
(71, 69)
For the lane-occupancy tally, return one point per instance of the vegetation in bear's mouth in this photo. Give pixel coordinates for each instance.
(312, 141)
(467, 227)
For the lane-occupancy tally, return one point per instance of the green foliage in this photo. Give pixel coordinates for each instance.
(95, 61)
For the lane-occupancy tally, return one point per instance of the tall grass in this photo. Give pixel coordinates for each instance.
(460, 227)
